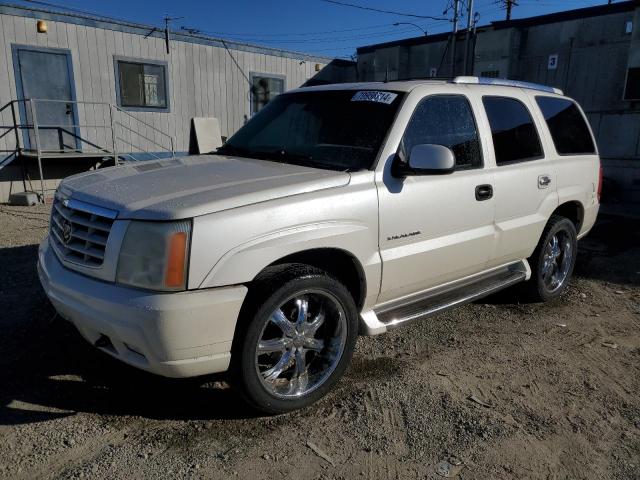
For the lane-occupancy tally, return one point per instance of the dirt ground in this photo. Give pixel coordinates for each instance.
(497, 389)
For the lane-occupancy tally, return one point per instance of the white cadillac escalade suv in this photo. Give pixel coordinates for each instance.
(336, 210)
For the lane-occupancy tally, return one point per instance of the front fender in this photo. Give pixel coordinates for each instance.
(244, 262)
(231, 247)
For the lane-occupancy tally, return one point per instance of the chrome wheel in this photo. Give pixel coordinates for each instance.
(556, 261)
(301, 343)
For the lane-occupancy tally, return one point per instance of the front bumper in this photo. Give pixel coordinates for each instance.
(182, 334)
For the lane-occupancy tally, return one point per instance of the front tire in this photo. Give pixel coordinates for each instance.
(552, 261)
(296, 337)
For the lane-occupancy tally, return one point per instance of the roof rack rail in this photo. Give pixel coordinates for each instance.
(507, 83)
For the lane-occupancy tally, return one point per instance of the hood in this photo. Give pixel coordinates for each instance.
(191, 186)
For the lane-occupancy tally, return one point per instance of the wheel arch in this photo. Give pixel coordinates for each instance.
(574, 211)
(338, 262)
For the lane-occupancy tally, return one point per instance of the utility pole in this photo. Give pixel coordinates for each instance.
(510, 4)
(467, 36)
(454, 34)
(474, 37)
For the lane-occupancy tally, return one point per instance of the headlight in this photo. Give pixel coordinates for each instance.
(154, 255)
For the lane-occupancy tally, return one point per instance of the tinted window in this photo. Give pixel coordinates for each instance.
(263, 90)
(490, 73)
(142, 85)
(632, 87)
(445, 120)
(567, 126)
(335, 129)
(514, 135)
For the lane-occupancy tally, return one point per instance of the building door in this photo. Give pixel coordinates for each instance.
(45, 76)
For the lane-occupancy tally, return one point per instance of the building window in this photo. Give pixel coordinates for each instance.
(628, 26)
(264, 88)
(490, 73)
(515, 138)
(632, 87)
(142, 85)
(567, 126)
(445, 120)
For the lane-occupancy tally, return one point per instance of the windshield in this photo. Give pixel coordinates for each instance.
(341, 130)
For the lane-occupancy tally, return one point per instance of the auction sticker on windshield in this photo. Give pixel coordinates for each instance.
(374, 96)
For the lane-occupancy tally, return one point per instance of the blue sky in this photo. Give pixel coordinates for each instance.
(311, 26)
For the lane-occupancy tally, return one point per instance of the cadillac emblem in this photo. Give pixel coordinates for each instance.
(67, 230)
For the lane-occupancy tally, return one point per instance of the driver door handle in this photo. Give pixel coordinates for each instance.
(484, 192)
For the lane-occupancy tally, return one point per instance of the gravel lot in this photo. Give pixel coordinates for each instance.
(498, 389)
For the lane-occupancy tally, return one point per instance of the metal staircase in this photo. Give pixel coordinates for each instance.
(109, 133)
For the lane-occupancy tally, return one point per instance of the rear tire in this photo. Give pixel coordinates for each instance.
(296, 336)
(552, 261)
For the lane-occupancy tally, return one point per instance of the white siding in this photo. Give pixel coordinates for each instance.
(203, 80)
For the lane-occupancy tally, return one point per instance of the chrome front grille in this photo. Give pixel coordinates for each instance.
(79, 231)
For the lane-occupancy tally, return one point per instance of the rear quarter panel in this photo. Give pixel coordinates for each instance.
(577, 176)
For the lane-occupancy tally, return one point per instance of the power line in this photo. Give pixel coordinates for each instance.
(304, 33)
(454, 37)
(391, 12)
(273, 38)
(266, 37)
(236, 63)
(322, 40)
(77, 11)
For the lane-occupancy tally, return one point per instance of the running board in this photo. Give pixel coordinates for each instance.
(434, 301)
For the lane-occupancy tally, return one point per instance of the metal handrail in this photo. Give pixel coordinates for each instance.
(133, 145)
(142, 122)
(110, 126)
(9, 128)
(112, 123)
(135, 132)
(83, 102)
(74, 126)
(78, 102)
(5, 133)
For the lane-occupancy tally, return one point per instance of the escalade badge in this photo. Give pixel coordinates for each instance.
(404, 235)
(66, 231)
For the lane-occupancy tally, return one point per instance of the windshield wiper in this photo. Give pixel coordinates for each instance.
(228, 149)
(282, 156)
(279, 155)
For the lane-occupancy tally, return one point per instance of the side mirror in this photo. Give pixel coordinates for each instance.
(428, 159)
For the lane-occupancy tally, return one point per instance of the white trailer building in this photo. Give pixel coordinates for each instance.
(77, 89)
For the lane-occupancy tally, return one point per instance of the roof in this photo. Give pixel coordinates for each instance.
(565, 16)
(405, 42)
(568, 15)
(408, 85)
(108, 23)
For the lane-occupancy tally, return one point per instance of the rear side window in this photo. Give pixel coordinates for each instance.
(567, 126)
(515, 138)
(445, 120)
